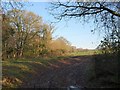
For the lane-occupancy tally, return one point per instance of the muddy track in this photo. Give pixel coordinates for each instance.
(66, 72)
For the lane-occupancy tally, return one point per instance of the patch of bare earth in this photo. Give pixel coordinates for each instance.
(63, 73)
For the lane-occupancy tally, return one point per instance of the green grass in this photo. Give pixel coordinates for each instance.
(16, 70)
(85, 52)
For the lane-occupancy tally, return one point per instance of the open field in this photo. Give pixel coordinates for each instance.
(85, 52)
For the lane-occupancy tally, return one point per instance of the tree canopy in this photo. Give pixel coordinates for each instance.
(25, 34)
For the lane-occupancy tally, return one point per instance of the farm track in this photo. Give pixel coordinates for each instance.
(63, 73)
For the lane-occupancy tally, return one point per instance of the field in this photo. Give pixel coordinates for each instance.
(84, 69)
(85, 52)
(17, 71)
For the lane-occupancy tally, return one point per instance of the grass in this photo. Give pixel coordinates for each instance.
(85, 52)
(16, 71)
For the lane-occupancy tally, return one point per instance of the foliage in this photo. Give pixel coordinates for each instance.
(110, 44)
(25, 35)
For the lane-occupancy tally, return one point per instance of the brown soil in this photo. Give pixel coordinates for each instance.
(62, 73)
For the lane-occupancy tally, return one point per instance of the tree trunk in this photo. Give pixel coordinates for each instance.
(21, 52)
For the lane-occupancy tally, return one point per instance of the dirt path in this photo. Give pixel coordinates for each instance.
(63, 73)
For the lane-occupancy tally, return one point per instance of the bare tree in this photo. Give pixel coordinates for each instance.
(103, 13)
(106, 16)
(10, 4)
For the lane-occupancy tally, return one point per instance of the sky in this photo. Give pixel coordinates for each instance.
(75, 32)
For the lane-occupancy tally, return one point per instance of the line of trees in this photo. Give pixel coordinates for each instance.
(25, 34)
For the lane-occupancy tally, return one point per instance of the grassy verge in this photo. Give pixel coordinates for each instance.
(15, 71)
